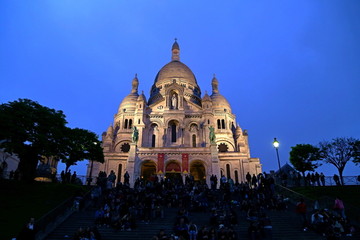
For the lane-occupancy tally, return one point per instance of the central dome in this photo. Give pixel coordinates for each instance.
(175, 71)
(178, 70)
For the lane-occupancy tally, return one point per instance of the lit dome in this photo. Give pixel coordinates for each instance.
(129, 102)
(142, 97)
(175, 69)
(218, 100)
(178, 71)
(206, 97)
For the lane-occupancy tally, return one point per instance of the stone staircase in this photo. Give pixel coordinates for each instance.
(286, 225)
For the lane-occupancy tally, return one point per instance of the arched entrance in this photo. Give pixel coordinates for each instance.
(197, 170)
(148, 168)
(173, 171)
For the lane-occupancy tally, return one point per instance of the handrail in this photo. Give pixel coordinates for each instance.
(294, 197)
(50, 216)
(63, 210)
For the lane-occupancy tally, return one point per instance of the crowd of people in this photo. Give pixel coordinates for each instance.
(332, 224)
(122, 208)
(67, 177)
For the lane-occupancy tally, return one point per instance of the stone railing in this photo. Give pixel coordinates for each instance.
(329, 181)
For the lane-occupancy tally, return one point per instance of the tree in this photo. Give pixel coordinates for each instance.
(80, 144)
(356, 159)
(339, 152)
(31, 131)
(304, 157)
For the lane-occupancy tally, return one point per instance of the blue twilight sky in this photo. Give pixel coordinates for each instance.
(290, 69)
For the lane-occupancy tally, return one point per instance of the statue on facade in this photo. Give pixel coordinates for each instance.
(135, 134)
(212, 134)
(174, 101)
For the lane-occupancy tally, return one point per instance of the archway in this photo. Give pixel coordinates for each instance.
(197, 170)
(173, 171)
(148, 168)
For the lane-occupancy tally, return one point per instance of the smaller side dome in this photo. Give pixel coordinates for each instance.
(238, 131)
(142, 97)
(218, 100)
(206, 97)
(109, 132)
(130, 100)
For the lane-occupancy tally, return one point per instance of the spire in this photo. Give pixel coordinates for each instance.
(175, 51)
(135, 84)
(215, 85)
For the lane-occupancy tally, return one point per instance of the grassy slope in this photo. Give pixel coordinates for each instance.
(20, 201)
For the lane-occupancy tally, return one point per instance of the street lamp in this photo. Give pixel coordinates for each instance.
(91, 169)
(276, 146)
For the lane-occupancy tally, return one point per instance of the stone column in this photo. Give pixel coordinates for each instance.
(215, 163)
(164, 137)
(130, 166)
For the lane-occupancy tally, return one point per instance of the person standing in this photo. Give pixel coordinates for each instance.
(301, 211)
(193, 231)
(339, 207)
(322, 178)
(317, 177)
(336, 179)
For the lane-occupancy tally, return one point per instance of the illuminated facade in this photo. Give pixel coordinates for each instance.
(173, 127)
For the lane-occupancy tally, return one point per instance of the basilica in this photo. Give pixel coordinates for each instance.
(176, 132)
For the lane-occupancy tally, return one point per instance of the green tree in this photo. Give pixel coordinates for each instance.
(304, 157)
(339, 152)
(31, 131)
(80, 144)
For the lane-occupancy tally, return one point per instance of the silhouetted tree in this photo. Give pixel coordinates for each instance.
(80, 144)
(339, 152)
(31, 131)
(304, 157)
(356, 159)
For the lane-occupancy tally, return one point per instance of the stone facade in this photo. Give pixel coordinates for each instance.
(172, 131)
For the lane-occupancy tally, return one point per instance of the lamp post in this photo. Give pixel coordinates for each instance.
(91, 169)
(90, 174)
(276, 146)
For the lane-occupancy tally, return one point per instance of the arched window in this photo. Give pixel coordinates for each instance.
(194, 140)
(208, 121)
(219, 124)
(223, 123)
(153, 139)
(236, 176)
(173, 132)
(228, 171)
(138, 121)
(130, 123)
(126, 124)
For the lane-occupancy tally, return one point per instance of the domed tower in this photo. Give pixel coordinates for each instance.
(175, 72)
(219, 101)
(128, 104)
